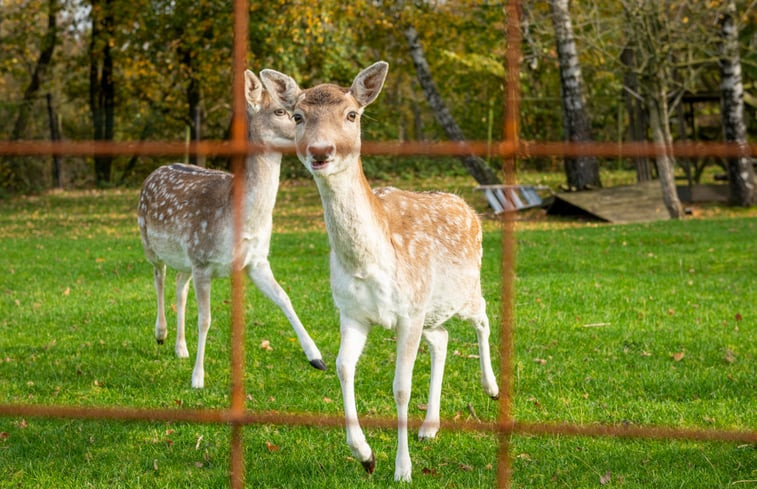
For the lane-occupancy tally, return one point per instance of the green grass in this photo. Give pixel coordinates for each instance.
(642, 324)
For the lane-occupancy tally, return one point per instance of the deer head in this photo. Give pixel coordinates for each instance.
(327, 117)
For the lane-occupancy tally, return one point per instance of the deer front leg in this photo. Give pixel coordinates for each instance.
(159, 275)
(408, 341)
(202, 293)
(437, 340)
(263, 278)
(353, 337)
(182, 288)
(488, 381)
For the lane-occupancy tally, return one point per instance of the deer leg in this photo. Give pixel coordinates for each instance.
(408, 341)
(488, 380)
(436, 339)
(159, 274)
(202, 294)
(262, 276)
(182, 288)
(353, 337)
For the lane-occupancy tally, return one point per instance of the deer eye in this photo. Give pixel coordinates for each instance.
(351, 116)
(279, 112)
(297, 118)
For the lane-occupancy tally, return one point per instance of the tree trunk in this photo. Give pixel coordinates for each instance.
(659, 124)
(475, 165)
(583, 171)
(637, 127)
(741, 176)
(23, 174)
(101, 86)
(40, 70)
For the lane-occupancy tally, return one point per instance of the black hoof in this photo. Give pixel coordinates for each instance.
(318, 363)
(370, 464)
(160, 342)
(496, 398)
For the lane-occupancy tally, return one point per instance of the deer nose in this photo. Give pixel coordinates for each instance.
(321, 151)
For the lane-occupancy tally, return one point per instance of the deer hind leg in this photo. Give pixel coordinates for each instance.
(353, 337)
(182, 288)
(263, 278)
(408, 341)
(437, 340)
(159, 274)
(481, 323)
(202, 293)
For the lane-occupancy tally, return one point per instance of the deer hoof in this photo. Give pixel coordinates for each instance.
(318, 363)
(160, 342)
(370, 464)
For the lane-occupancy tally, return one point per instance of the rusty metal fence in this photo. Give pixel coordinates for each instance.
(509, 149)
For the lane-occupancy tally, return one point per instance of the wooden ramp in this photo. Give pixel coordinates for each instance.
(630, 203)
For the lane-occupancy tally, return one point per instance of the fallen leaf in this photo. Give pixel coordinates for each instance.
(422, 407)
(67, 291)
(466, 467)
(266, 345)
(645, 353)
(23, 424)
(327, 400)
(677, 356)
(199, 465)
(540, 361)
(4, 435)
(729, 356)
(605, 478)
(738, 317)
(427, 471)
(155, 464)
(199, 440)
(271, 447)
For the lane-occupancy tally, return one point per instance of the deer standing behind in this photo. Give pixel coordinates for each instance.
(402, 260)
(185, 221)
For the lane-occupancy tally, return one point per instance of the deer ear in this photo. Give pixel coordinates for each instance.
(368, 83)
(253, 90)
(282, 88)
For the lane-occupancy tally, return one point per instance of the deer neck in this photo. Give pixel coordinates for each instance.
(356, 224)
(262, 184)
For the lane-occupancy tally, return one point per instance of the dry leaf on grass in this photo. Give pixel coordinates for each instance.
(271, 447)
(266, 345)
(678, 356)
(605, 479)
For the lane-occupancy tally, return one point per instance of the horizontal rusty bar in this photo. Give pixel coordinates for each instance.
(226, 416)
(521, 149)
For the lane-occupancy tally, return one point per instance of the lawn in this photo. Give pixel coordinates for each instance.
(640, 324)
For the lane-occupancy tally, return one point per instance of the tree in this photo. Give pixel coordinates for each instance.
(741, 175)
(583, 171)
(476, 166)
(650, 39)
(102, 92)
(18, 173)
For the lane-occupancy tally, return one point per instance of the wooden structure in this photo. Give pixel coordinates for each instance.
(503, 198)
(630, 203)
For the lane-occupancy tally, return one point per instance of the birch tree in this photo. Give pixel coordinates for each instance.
(741, 175)
(582, 172)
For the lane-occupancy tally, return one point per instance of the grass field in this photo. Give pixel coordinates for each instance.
(641, 324)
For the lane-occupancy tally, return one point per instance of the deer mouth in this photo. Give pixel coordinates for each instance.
(318, 164)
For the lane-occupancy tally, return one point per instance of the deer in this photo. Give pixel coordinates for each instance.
(185, 223)
(401, 260)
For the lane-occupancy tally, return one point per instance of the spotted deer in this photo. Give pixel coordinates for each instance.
(402, 260)
(185, 222)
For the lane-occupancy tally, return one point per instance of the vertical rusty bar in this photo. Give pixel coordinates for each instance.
(238, 142)
(512, 111)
